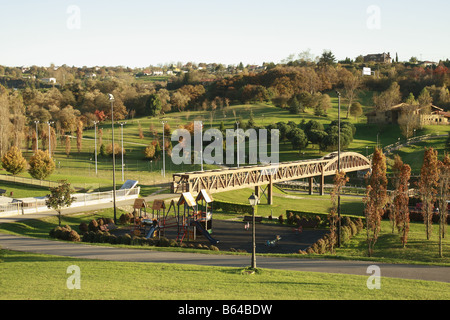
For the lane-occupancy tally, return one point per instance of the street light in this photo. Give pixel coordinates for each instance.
(339, 168)
(164, 148)
(37, 135)
(111, 99)
(121, 126)
(95, 144)
(237, 143)
(49, 143)
(201, 145)
(253, 200)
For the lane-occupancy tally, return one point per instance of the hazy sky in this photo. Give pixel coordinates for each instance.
(141, 33)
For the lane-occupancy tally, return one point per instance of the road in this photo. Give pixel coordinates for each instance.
(85, 251)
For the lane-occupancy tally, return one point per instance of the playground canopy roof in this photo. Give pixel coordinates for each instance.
(139, 204)
(187, 198)
(203, 194)
(158, 204)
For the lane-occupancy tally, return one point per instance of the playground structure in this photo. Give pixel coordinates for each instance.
(190, 217)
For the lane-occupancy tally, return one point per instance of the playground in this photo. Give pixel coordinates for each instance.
(190, 222)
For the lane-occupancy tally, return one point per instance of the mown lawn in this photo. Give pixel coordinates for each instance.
(28, 276)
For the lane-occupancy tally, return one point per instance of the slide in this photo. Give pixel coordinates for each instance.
(205, 233)
(150, 232)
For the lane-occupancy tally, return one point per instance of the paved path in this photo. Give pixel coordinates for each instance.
(85, 251)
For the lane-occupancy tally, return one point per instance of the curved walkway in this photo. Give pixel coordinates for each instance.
(85, 251)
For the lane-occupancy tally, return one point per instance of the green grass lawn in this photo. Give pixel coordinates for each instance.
(23, 191)
(27, 276)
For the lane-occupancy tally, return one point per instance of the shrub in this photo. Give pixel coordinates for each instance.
(213, 248)
(93, 226)
(281, 219)
(83, 227)
(73, 236)
(163, 242)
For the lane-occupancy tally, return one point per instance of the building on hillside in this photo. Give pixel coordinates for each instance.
(49, 80)
(426, 116)
(378, 57)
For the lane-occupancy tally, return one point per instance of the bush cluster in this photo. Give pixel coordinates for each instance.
(65, 233)
(127, 239)
(350, 227)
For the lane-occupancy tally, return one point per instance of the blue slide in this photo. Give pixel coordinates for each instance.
(150, 232)
(205, 233)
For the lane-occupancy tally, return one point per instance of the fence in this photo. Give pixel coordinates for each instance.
(35, 205)
(30, 181)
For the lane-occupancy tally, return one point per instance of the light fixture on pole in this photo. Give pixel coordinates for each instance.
(164, 149)
(49, 138)
(339, 170)
(111, 99)
(237, 143)
(253, 200)
(37, 135)
(121, 127)
(201, 146)
(95, 145)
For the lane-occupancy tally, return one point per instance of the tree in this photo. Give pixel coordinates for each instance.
(79, 135)
(154, 105)
(149, 152)
(41, 165)
(60, 197)
(388, 98)
(428, 183)
(443, 197)
(356, 109)
(299, 139)
(401, 203)
(408, 121)
(376, 198)
(68, 145)
(396, 170)
(13, 161)
(340, 180)
(424, 99)
(351, 82)
(327, 58)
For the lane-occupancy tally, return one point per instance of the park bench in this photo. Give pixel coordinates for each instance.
(250, 218)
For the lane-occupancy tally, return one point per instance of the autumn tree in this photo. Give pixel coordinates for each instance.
(376, 198)
(79, 135)
(13, 161)
(428, 183)
(67, 145)
(397, 171)
(41, 165)
(60, 197)
(388, 98)
(443, 197)
(340, 180)
(401, 203)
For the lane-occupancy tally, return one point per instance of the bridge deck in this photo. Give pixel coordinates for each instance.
(252, 176)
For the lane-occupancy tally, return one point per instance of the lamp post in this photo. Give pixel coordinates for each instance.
(49, 138)
(339, 169)
(164, 149)
(37, 135)
(253, 200)
(95, 145)
(111, 99)
(237, 143)
(201, 146)
(121, 127)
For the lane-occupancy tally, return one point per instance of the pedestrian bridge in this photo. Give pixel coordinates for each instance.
(219, 180)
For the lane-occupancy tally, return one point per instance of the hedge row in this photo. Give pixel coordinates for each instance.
(349, 228)
(312, 219)
(233, 207)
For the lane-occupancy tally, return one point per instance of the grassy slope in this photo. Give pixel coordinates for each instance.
(46, 278)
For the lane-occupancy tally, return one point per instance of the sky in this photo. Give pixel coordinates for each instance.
(141, 33)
